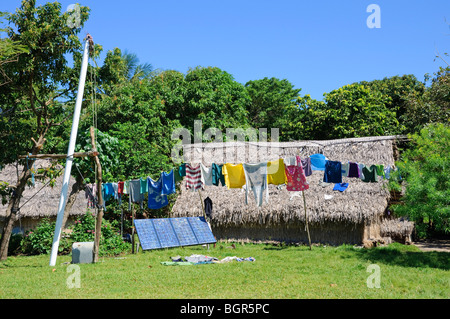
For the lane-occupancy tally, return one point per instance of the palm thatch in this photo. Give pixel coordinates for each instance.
(39, 201)
(348, 217)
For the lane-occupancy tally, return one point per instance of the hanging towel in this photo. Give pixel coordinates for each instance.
(135, 193)
(306, 165)
(193, 177)
(296, 179)
(256, 180)
(126, 187)
(387, 172)
(370, 174)
(353, 170)
(107, 192)
(234, 175)
(116, 190)
(217, 175)
(206, 175)
(360, 168)
(318, 162)
(208, 206)
(155, 199)
(91, 194)
(144, 186)
(333, 172)
(380, 170)
(168, 183)
(276, 173)
(180, 172)
(344, 169)
(340, 187)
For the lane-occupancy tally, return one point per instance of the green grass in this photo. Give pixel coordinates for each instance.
(279, 272)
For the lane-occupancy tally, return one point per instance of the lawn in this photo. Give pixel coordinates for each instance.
(279, 272)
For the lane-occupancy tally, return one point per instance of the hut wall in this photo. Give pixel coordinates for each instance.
(331, 233)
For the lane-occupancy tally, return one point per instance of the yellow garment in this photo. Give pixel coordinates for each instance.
(234, 175)
(276, 173)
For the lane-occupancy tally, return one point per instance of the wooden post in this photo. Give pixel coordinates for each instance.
(306, 220)
(98, 224)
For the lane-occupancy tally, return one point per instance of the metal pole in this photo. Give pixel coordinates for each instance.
(70, 151)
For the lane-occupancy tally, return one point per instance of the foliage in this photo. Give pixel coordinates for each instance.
(424, 169)
(214, 97)
(39, 240)
(356, 111)
(270, 98)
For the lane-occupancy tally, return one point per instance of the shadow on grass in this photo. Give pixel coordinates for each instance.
(405, 256)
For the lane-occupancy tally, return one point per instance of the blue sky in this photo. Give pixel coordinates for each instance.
(317, 45)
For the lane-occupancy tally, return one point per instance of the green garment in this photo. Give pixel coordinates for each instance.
(380, 170)
(177, 263)
(180, 173)
(370, 174)
(217, 175)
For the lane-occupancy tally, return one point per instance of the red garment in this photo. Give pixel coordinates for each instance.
(296, 179)
(120, 187)
(193, 177)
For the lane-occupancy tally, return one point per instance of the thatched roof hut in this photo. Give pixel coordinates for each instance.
(351, 216)
(38, 201)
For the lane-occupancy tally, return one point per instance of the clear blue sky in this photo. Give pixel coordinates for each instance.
(317, 45)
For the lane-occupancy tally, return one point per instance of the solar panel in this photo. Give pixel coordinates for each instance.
(173, 232)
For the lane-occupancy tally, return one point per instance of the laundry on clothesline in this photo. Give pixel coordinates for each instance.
(291, 171)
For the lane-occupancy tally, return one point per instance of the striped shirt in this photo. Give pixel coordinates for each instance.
(193, 177)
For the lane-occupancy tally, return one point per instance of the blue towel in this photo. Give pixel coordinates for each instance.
(155, 198)
(333, 173)
(317, 162)
(168, 183)
(340, 187)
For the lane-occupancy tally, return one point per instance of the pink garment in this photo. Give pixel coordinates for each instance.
(296, 179)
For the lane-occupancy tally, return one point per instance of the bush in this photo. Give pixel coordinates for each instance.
(424, 169)
(39, 240)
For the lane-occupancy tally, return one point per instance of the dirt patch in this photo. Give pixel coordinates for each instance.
(433, 245)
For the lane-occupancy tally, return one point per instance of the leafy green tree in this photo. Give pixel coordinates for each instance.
(270, 98)
(214, 97)
(354, 111)
(42, 84)
(400, 89)
(424, 168)
(303, 120)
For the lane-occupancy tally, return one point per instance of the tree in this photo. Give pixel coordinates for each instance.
(424, 168)
(9, 52)
(270, 98)
(214, 97)
(41, 87)
(354, 111)
(401, 90)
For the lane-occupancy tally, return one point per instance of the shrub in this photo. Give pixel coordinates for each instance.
(424, 169)
(39, 240)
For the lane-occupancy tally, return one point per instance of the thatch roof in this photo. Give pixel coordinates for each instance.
(45, 202)
(361, 202)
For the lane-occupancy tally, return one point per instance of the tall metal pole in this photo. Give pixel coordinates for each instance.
(70, 151)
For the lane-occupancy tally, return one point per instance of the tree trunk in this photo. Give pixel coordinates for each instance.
(13, 209)
(14, 203)
(71, 199)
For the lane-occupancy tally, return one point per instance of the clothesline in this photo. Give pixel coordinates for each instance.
(290, 171)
